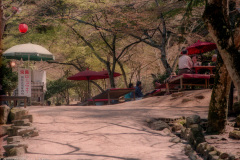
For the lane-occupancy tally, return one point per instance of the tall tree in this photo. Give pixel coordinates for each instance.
(222, 20)
(225, 35)
(136, 19)
(104, 42)
(110, 40)
(218, 107)
(149, 22)
(1, 31)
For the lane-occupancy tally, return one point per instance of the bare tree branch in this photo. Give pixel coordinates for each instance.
(88, 44)
(125, 48)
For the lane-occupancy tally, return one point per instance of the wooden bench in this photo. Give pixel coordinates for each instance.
(159, 92)
(156, 92)
(190, 80)
(14, 99)
(113, 94)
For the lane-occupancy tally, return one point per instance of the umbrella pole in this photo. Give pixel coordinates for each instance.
(88, 95)
(28, 60)
(105, 84)
(89, 90)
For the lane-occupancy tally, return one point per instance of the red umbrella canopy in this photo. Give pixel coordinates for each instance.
(105, 73)
(201, 47)
(87, 75)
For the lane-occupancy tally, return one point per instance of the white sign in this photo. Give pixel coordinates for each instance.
(24, 82)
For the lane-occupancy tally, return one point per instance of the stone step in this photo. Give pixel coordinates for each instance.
(22, 122)
(10, 132)
(17, 113)
(14, 139)
(34, 133)
(15, 149)
(235, 134)
(4, 111)
(29, 117)
(22, 130)
(3, 130)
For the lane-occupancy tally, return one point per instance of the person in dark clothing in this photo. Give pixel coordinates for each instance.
(138, 90)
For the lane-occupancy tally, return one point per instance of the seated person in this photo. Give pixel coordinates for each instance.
(185, 63)
(214, 60)
(213, 63)
(138, 90)
(173, 74)
(195, 62)
(129, 96)
(157, 84)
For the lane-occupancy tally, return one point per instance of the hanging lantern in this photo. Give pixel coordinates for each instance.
(12, 64)
(23, 28)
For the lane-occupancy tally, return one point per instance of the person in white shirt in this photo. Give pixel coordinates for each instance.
(185, 63)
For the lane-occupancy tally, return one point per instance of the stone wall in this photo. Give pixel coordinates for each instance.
(19, 129)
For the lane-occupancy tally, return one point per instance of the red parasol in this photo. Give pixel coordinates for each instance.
(87, 75)
(105, 73)
(201, 47)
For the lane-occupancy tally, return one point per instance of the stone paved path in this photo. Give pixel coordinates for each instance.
(111, 132)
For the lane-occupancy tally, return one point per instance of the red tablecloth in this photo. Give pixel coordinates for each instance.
(200, 76)
(210, 68)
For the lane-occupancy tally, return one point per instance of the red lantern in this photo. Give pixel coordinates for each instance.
(23, 28)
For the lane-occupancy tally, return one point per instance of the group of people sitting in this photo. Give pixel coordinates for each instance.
(186, 64)
(138, 91)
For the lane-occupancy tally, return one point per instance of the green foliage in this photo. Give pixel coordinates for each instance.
(162, 77)
(9, 78)
(58, 87)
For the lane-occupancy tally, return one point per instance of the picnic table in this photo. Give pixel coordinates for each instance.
(210, 68)
(14, 99)
(184, 80)
(112, 94)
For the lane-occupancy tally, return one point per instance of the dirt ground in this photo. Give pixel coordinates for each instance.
(112, 131)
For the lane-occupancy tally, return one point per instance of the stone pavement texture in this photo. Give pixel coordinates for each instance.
(111, 132)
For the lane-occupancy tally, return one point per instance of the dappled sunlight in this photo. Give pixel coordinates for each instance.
(111, 131)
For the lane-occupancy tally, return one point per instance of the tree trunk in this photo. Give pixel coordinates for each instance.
(217, 115)
(218, 23)
(110, 74)
(230, 100)
(67, 98)
(1, 33)
(166, 64)
(123, 73)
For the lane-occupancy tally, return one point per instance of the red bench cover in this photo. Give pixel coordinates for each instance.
(98, 100)
(198, 76)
